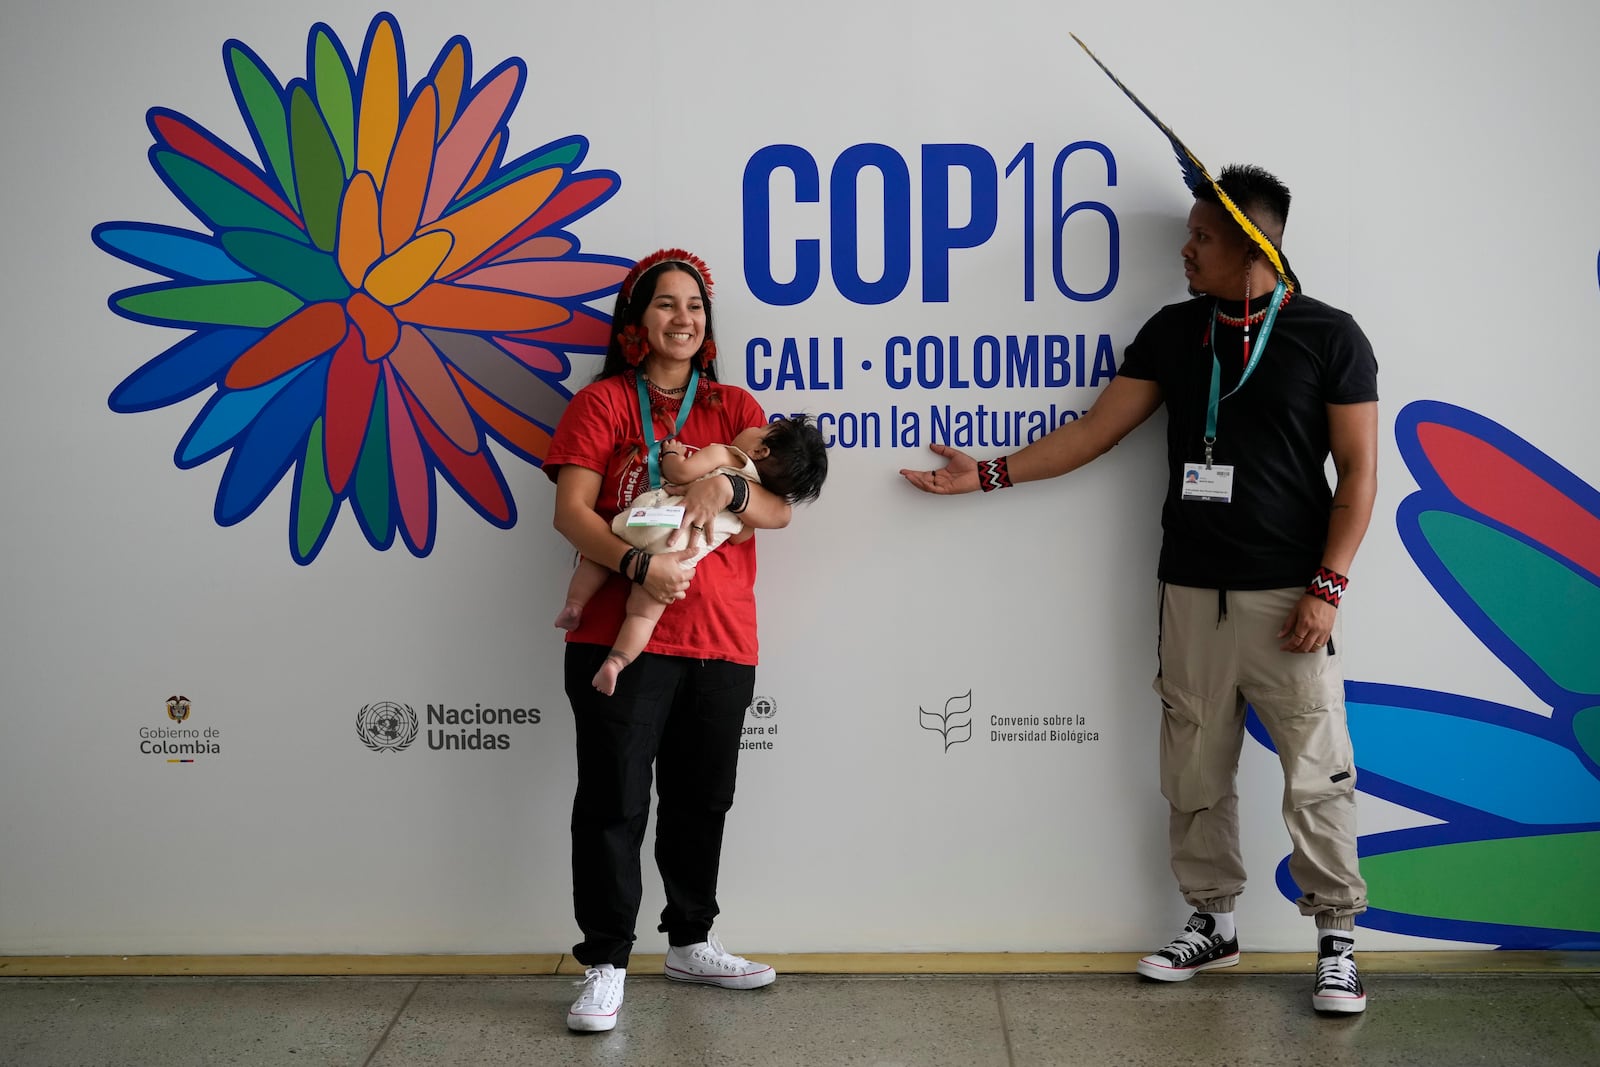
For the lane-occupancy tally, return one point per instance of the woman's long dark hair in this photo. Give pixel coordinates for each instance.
(631, 313)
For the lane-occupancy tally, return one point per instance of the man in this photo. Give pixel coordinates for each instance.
(1261, 383)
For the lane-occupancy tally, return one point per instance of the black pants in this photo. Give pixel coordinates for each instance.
(684, 716)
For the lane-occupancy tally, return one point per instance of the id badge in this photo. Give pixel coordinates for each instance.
(1214, 483)
(666, 515)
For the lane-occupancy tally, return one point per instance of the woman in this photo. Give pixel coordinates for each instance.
(681, 704)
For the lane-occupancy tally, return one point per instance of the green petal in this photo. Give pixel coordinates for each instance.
(318, 173)
(309, 273)
(1586, 727)
(317, 506)
(331, 80)
(262, 99)
(220, 203)
(1543, 882)
(372, 470)
(257, 304)
(1549, 611)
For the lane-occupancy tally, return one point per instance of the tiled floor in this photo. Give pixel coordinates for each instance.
(1234, 1019)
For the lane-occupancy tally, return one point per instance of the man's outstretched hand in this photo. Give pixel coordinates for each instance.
(959, 475)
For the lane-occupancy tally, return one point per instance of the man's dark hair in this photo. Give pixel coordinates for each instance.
(1259, 194)
(796, 463)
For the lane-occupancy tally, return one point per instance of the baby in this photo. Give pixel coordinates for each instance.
(787, 456)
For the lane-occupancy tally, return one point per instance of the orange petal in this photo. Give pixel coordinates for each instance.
(298, 339)
(408, 171)
(359, 242)
(483, 222)
(380, 102)
(413, 265)
(458, 307)
(452, 72)
(376, 323)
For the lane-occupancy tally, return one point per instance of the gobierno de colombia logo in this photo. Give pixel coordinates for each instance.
(377, 292)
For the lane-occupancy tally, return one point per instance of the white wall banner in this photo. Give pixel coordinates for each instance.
(296, 295)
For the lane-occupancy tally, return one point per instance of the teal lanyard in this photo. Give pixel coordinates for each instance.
(1214, 401)
(683, 413)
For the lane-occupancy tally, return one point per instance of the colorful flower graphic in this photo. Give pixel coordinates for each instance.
(1511, 541)
(377, 299)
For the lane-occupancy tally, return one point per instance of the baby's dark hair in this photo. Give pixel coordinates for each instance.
(796, 463)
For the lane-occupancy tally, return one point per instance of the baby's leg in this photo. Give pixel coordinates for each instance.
(644, 611)
(586, 582)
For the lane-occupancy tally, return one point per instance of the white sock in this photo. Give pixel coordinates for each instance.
(1343, 935)
(1224, 921)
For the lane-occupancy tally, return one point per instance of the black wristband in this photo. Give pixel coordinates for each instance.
(741, 493)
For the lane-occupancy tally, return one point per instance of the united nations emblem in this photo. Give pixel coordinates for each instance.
(386, 727)
(177, 708)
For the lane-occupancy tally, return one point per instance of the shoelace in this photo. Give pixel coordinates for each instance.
(715, 954)
(1187, 944)
(1337, 972)
(592, 979)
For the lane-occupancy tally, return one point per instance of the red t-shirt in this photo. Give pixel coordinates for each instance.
(600, 431)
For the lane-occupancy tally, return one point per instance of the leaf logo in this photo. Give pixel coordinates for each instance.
(956, 708)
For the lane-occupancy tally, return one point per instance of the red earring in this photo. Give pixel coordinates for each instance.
(635, 346)
(708, 354)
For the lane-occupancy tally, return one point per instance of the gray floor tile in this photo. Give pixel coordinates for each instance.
(1239, 1020)
(1588, 990)
(807, 1020)
(179, 1022)
(1266, 1020)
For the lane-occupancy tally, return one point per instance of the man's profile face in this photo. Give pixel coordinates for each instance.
(1216, 253)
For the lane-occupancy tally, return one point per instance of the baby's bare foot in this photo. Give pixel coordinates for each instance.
(605, 679)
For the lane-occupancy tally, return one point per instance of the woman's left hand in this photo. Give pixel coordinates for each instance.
(702, 502)
(1309, 625)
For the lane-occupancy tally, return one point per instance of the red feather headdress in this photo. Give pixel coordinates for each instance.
(666, 255)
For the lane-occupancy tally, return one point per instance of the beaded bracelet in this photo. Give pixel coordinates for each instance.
(993, 474)
(1328, 585)
(741, 493)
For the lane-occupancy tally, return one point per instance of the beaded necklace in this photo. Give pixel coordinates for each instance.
(654, 388)
(1254, 318)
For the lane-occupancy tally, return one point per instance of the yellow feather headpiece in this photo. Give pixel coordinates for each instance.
(1195, 173)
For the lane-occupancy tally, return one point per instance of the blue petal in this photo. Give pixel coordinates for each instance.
(170, 251)
(225, 417)
(271, 444)
(183, 370)
(1494, 769)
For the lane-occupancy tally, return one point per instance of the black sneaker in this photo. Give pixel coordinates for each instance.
(1338, 983)
(1196, 949)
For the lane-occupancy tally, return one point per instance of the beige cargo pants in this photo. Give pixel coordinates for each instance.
(1217, 653)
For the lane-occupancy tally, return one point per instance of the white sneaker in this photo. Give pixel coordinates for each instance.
(711, 964)
(596, 1007)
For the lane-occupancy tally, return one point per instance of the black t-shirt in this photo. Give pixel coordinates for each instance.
(1274, 432)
